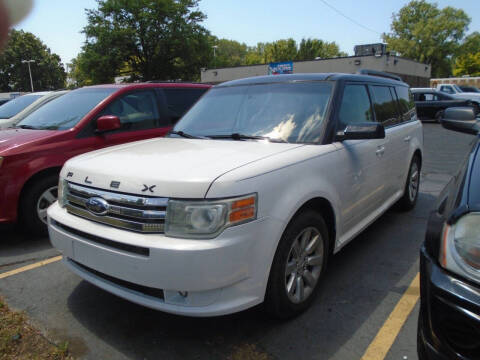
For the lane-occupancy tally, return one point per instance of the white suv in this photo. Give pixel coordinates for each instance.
(244, 202)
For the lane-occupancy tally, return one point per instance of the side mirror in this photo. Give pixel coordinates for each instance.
(461, 119)
(361, 131)
(107, 123)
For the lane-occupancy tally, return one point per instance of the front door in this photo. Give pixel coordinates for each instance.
(362, 160)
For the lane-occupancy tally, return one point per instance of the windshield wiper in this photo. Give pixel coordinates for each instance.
(27, 127)
(237, 136)
(185, 135)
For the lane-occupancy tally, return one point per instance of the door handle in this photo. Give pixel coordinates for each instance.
(380, 151)
(407, 139)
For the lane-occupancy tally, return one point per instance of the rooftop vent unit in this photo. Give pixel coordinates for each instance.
(370, 49)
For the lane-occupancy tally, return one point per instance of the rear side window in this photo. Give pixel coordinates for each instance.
(406, 103)
(385, 105)
(355, 106)
(180, 100)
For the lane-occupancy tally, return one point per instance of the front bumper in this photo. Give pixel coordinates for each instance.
(449, 324)
(220, 276)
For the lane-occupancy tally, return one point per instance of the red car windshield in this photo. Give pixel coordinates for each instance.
(65, 111)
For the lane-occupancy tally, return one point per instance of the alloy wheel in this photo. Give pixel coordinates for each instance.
(414, 181)
(47, 198)
(304, 264)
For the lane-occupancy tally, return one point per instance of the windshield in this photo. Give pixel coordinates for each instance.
(65, 111)
(13, 107)
(291, 112)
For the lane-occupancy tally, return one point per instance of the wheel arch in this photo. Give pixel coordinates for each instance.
(418, 153)
(322, 206)
(55, 170)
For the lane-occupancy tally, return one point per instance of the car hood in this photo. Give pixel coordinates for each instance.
(12, 140)
(167, 167)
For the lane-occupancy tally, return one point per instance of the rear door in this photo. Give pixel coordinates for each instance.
(180, 100)
(387, 113)
(361, 187)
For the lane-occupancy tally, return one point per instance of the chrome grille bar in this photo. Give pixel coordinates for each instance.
(125, 211)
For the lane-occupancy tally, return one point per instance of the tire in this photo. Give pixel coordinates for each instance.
(305, 267)
(34, 202)
(438, 116)
(410, 194)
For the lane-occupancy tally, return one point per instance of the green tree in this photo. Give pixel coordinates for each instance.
(47, 71)
(309, 49)
(281, 50)
(422, 32)
(468, 60)
(161, 39)
(467, 64)
(228, 53)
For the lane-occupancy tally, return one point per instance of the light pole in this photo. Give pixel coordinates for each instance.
(215, 47)
(29, 70)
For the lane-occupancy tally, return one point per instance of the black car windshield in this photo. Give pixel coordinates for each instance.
(13, 107)
(65, 111)
(291, 112)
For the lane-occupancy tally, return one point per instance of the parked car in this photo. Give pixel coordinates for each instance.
(14, 106)
(469, 89)
(246, 199)
(455, 91)
(431, 104)
(42, 100)
(32, 154)
(449, 320)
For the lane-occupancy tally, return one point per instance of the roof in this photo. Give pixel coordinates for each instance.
(309, 77)
(38, 93)
(151, 85)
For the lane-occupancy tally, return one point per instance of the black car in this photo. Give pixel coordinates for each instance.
(431, 103)
(449, 320)
(469, 89)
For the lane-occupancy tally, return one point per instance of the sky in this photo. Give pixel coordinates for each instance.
(58, 23)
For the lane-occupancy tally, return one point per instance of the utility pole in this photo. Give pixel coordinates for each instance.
(215, 47)
(29, 70)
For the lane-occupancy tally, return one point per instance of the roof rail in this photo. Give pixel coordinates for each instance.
(379, 74)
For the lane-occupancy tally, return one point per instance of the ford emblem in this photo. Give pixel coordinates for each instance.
(97, 206)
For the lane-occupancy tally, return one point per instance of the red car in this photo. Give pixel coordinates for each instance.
(86, 119)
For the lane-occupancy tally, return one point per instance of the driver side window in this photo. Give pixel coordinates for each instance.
(136, 110)
(355, 106)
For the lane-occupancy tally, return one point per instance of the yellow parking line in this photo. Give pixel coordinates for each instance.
(30, 267)
(382, 343)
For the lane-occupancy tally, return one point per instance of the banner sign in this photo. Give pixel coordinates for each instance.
(278, 68)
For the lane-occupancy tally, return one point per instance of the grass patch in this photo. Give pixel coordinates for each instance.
(20, 341)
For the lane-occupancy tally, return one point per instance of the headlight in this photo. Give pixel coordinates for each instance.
(62, 188)
(206, 219)
(460, 251)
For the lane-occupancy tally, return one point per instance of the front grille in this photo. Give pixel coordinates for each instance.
(145, 290)
(130, 212)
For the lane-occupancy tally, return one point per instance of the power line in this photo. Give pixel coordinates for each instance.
(349, 18)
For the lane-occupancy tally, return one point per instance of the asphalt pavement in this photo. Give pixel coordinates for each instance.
(363, 285)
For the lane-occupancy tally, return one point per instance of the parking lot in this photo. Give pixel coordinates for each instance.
(363, 303)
